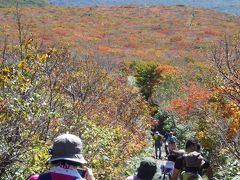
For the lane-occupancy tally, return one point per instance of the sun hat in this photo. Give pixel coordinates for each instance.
(147, 169)
(67, 147)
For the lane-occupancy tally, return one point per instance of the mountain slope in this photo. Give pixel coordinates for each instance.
(129, 33)
(8, 3)
(228, 6)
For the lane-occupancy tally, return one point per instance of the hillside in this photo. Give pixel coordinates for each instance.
(129, 33)
(228, 6)
(9, 3)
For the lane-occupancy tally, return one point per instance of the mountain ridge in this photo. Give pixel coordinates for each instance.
(9, 3)
(227, 6)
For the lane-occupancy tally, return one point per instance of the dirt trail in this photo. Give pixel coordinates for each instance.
(163, 154)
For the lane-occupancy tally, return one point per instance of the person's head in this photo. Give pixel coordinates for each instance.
(172, 157)
(147, 168)
(191, 145)
(67, 148)
(171, 133)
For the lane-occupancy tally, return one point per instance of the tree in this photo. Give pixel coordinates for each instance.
(146, 76)
(225, 57)
(149, 75)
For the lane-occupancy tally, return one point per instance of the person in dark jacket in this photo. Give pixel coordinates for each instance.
(191, 147)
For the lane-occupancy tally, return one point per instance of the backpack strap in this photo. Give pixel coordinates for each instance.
(184, 163)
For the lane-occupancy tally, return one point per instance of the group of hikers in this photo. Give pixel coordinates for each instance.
(188, 164)
(183, 165)
(170, 143)
(67, 161)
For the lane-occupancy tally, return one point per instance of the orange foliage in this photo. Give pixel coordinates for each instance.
(232, 111)
(109, 49)
(96, 37)
(165, 68)
(233, 128)
(136, 146)
(229, 110)
(79, 35)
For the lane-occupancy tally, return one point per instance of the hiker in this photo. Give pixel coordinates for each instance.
(167, 138)
(168, 166)
(172, 143)
(146, 171)
(158, 138)
(188, 166)
(66, 158)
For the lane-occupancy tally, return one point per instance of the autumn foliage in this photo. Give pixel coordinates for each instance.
(195, 96)
(47, 91)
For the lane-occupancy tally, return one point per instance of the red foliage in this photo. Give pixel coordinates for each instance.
(131, 45)
(61, 32)
(45, 37)
(196, 95)
(209, 32)
(124, 66)
(2, 104)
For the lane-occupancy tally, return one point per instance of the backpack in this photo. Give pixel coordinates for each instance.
(192, 160)
(190, 176)
(155, 137)
(172, 140)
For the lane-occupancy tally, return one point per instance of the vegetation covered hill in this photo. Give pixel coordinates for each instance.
(130, 33)
(10, 3)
